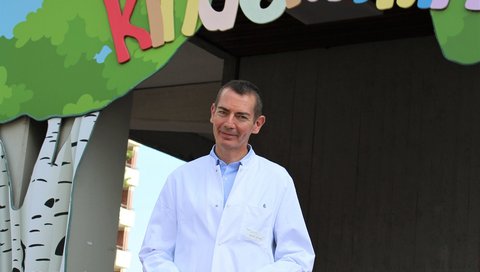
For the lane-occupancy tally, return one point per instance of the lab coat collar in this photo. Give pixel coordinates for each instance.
(243, 162)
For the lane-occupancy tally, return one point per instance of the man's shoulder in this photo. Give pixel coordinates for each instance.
(268, 164)
(271, 173)
(206, 159)
(200, 162)
(266, 161)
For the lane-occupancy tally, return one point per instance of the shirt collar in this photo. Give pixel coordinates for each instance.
(243, 161)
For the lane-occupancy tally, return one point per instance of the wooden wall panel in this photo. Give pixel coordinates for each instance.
(281, 81)
(472, 179)
(383, 142)
(299, 160)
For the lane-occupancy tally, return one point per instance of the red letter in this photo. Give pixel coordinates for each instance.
(121, 27)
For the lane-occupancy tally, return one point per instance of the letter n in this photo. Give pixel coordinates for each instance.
(121, 28)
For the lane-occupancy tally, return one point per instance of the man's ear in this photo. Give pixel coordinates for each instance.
(258, 124)
(212, 112)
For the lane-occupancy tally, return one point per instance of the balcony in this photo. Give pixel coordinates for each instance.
(132, 177)
(127, 218)
(122, 259)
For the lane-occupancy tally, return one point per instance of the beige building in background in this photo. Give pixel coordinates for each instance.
(127, 215)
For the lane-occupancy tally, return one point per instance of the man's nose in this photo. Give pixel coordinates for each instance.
(230, 121)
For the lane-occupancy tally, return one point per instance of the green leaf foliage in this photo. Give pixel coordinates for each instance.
(11, 103)
(458, 32)
(49, 68)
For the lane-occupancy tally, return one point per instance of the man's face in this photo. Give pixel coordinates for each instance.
(234, 121)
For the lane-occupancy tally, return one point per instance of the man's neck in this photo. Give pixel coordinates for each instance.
(229, 156)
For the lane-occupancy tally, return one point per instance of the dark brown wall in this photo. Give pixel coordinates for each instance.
(383, 142)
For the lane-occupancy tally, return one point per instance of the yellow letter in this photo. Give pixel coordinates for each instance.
(168, 20)
(405, 3)
(384, 4)
(191, 17)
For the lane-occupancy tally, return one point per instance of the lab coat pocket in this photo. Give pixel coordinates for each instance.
(257, 225)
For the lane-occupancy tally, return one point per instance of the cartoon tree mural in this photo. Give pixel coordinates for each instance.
(66, 51)
(33, 236)
(57, 60)
(457, 31)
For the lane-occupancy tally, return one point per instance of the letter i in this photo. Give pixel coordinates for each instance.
(168, 20)
(161, 21)
(191, 17)
(155, 22)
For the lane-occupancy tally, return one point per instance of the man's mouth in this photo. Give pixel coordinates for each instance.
(227, 134)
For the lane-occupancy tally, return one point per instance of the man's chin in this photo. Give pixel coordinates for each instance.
(226, 145)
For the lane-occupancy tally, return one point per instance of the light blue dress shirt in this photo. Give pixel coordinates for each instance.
(229, 171)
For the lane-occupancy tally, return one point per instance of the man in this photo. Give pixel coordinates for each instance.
(232, 210)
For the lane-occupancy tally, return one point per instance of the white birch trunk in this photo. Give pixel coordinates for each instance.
(33, 237)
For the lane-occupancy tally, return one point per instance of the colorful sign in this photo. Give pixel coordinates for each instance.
(63, 58)
(162, 27)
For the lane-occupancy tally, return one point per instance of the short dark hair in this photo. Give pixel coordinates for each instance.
(244, 87)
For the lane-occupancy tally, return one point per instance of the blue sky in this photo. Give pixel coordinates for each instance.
(13, 12)
(154, 167)
(102, 55)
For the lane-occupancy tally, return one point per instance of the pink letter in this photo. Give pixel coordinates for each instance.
(121, 28)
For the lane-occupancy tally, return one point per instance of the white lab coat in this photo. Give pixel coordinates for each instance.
(260, 229)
